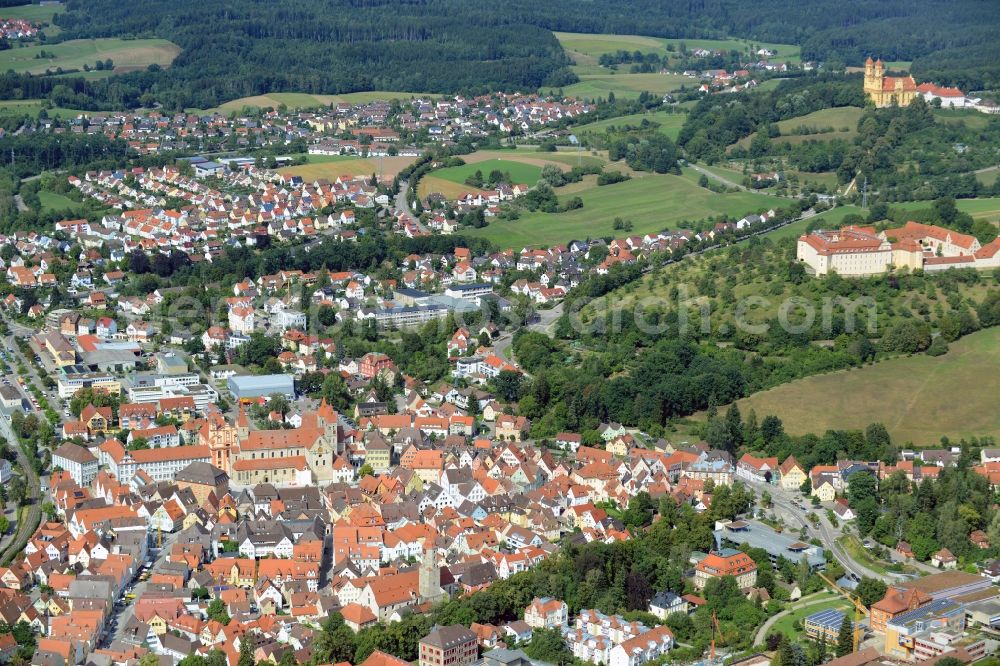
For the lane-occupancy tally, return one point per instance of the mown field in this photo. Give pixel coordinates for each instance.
(520, 172)
(127, 55)
(33, 106)
(670, 123)
(652, 202)
(987, 208)
(787, 624)
(54, 201)
(525, 166)
(988, 177)
(919, 398)
(842, 120)
(592, 46)
(338, 165)
(36, 13)
(308, 101)
(625, 85)
(968, 117)
(830, 218)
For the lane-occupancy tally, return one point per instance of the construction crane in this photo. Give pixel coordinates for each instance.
(859, 608)
(715, 628)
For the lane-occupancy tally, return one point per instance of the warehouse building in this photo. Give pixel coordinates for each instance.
(251, 387)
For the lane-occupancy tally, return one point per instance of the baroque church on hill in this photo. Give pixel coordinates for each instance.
(887, 90)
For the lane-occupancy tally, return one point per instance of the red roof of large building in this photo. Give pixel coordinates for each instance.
(727, 565)
(848, 240)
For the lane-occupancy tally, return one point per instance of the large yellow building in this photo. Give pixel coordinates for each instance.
(887, 90)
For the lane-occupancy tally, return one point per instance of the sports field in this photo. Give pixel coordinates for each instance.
(669, 123)
(652, 202)
(127, 55)
(918, 398)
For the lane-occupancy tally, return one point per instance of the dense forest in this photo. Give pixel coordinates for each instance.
(234, 49)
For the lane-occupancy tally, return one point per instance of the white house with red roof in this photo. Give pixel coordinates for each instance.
(950, 97)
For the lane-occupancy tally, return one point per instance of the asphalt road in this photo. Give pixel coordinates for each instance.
(121, 614)
(33, 509)
(544, 322)
(771, 621)
(401, 206)
(785, 505)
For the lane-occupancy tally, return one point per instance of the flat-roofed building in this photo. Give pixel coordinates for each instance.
(777, 544)
(249, 387)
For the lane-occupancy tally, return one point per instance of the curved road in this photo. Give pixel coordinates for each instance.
(32, 511)
(824, 531)
(771, 621)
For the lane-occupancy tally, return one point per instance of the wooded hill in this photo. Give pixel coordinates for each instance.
(248, 47)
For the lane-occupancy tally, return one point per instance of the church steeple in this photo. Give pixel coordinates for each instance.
(242, 424)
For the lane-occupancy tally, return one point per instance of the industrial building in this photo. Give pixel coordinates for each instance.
(251, 387)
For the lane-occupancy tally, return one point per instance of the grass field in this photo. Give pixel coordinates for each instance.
(988, 177)
(347, 165)
(127, 54)
(566, 158)
(626, 85)
(830, 217)
(919, 398)
(592, 46)
(33, 106)
(520, 172)
(54, 201)
(969, 117)
(307, 101)
(843, 120)
(786, 624)
(670, 123)
(987, 208)
(652, 203)
(839, 118)
(525, 166)
(37, 13)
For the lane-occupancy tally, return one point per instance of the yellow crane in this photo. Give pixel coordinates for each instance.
(859, 608)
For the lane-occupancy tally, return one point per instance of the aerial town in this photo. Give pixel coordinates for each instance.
(538, 334)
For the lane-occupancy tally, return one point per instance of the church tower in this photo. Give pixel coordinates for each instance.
(873, 83)
(242, 424)
(321, 453)
(220, 438)
(430, 577)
